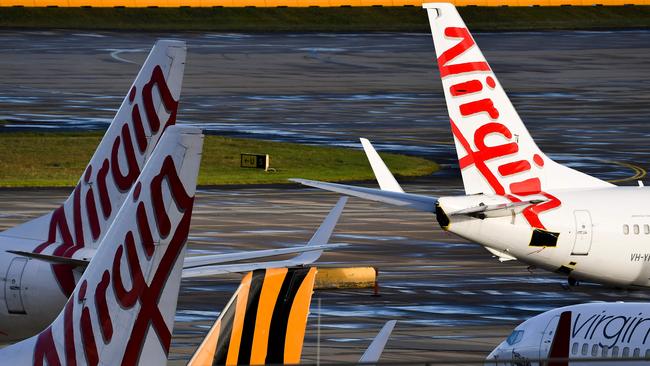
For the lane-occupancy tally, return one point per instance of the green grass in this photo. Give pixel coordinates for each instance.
(31, 159)
(322, 19)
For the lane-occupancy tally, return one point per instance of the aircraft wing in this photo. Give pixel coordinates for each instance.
(243, 267)
(409, 200)
(308, 253)
(391, 192)
(376, 348)
(208, 265)
(213, 259)
(197, 261)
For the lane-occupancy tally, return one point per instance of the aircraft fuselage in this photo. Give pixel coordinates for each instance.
(600, 235)
(31, 296)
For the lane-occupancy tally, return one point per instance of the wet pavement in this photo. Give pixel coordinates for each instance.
(452, 299)
(580, 93)
(584, 96)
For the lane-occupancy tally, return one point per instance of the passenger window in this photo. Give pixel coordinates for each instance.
(636, 229)
(626, 229)
(637, 353)
(615, 351)
(646, 229)
(594, 350)
(604, 353)
(585, 348)
(647, 353)
(575, 346)
(626, 352)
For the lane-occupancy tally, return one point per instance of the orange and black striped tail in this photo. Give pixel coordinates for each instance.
(263, 323)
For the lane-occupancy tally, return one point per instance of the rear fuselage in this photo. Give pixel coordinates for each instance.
(31, 296)
(602, 235)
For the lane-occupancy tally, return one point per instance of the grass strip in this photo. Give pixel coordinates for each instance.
(57, 159)
(342, 19)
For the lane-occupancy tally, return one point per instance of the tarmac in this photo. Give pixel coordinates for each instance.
(452, 300)
(585, 97)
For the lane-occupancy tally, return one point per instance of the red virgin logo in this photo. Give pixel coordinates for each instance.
(146, 294)
(476, 98)
(59, 222)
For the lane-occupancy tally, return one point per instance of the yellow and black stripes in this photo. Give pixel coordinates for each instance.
(264, 322)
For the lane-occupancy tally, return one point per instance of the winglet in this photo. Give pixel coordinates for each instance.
(384, 177)
(376, 348)
(414, 201)
(323, 234)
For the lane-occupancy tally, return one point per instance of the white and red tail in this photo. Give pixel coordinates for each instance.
(82, 220)
(496, 153)
(122, 310)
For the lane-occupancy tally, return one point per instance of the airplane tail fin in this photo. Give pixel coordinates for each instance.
(148, 108)
(122, 309)
(263, 323)
(496, 153)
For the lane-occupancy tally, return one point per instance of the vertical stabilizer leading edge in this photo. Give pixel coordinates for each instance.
(122, 310)
(496, 153)
(148, 108)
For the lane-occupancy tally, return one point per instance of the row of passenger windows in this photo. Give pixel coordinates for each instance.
(636, 229)
(607, 351)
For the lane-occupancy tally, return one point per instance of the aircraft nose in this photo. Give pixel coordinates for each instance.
(493, 358)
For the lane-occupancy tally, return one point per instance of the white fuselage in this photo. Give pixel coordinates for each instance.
(597, 330)
(604, 234)
(31, 297)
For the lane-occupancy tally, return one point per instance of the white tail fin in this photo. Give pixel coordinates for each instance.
(122, 310)
(496, 153)
(81, 222)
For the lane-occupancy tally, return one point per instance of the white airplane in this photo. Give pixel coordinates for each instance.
(122, 309)
(518, 203)
(42, 259)
(588, 334)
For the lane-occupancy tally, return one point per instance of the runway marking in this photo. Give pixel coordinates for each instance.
(115, 55)
(639, 172)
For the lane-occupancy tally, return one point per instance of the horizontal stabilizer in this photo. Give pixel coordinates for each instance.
(503, 257)
(499, 210)
(376, 348)
(54, 259)
(407, 200)
(385, 178)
